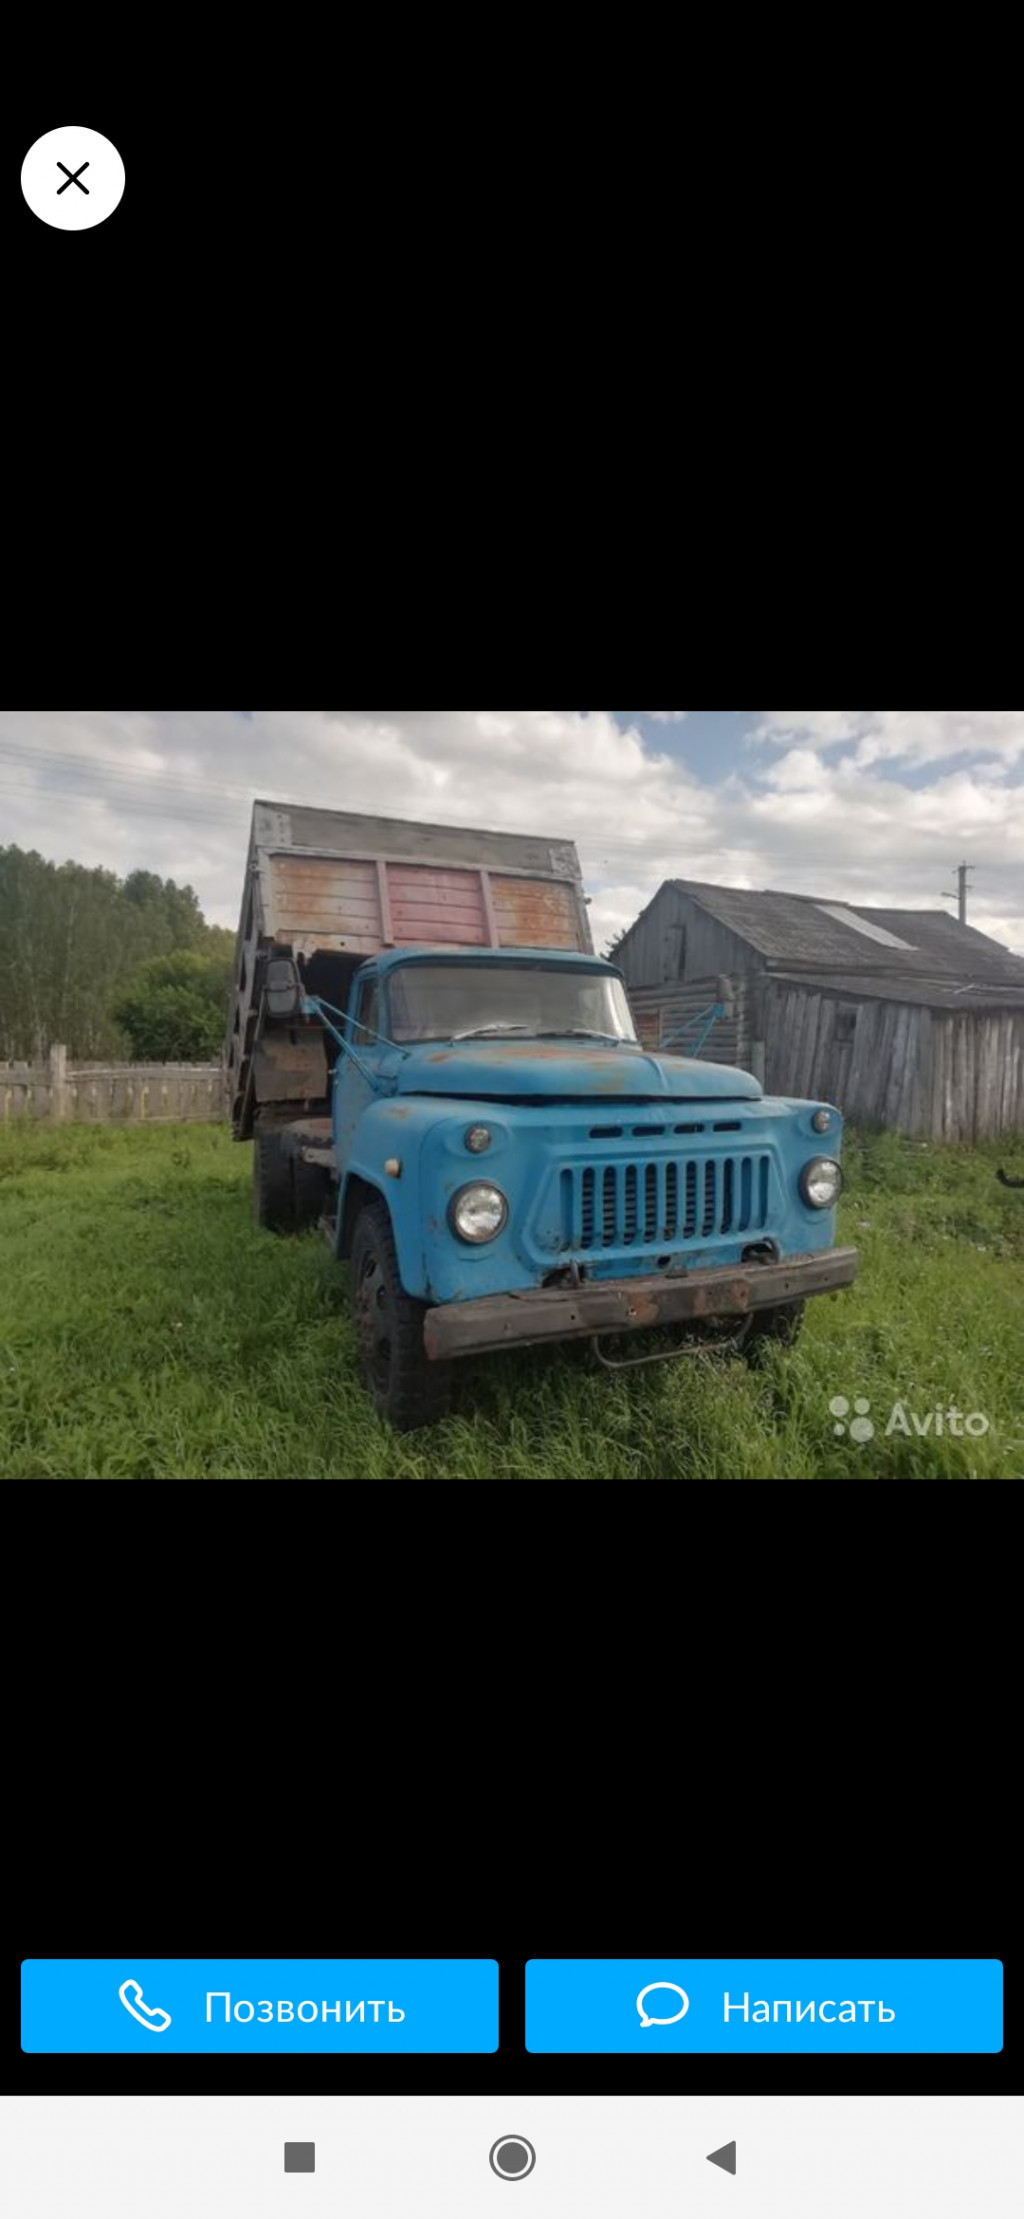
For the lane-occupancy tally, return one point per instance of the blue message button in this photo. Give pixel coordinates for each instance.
(258, 2005)
(743, 2005)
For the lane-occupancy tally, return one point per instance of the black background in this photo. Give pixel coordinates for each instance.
(510, 2070)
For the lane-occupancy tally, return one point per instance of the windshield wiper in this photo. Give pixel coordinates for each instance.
(574, 1032)
(542, 1032)
(474, 1031)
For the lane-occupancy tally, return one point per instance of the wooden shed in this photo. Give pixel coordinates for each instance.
(904, 1018)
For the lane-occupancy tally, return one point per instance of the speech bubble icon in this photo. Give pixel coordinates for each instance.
(647, 2018)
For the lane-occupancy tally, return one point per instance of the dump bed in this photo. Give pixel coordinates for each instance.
(334, 888)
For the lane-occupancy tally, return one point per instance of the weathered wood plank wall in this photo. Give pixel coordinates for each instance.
(675, 941)
(660, 1011)
(936, 1073)
(940, 1074)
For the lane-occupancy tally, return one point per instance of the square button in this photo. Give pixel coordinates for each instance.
(299, 2157)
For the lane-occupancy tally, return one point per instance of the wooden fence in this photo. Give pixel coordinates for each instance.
(105, 1093)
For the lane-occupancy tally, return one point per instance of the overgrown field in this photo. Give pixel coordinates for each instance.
(148, 1331)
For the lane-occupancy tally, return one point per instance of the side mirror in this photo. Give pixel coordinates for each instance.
(283, 987)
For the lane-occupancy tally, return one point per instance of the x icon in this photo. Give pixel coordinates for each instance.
(72, 178)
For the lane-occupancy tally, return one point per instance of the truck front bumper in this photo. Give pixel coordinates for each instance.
(627, 1305)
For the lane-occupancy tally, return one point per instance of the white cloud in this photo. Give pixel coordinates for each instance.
(666, 716)
(799, 769)
(171, 791)
(901, 735)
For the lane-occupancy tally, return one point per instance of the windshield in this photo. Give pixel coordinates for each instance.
(441, 1001)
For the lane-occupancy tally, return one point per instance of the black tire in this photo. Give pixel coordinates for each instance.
(273, 1201)
(776, 1328)
(404, 1385)
(310, 1189)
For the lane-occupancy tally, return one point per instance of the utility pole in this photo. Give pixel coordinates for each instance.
(961, 894)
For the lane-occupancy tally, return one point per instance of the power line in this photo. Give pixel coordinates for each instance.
(103, 768)
(116, 784)
(110, 800)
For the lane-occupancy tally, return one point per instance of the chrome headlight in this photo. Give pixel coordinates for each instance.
(821, 1182)
(479, 1212)
(821, 1120)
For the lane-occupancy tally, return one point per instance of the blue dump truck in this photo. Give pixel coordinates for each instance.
(436, 1069)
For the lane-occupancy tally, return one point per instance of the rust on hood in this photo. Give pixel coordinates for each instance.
(503, 1068)
(507, 1052)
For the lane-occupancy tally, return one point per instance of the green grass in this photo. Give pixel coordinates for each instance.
(148, 1331)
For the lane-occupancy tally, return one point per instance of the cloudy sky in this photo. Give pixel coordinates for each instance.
(872, 805)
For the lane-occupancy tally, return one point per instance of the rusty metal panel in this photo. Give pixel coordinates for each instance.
(336, 901)
(324, 895)
(290, 1070)
(534, 913)
(627, 1305)
(428, 904)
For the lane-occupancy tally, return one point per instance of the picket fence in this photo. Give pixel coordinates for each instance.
(101, 1093)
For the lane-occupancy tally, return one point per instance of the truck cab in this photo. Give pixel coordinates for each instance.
(508, 1166)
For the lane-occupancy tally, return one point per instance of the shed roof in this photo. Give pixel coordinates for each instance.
(894, 986)
(798, 933)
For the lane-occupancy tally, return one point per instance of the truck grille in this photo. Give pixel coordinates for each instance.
(648, 1204)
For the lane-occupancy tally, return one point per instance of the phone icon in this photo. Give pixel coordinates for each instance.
(157, 2021)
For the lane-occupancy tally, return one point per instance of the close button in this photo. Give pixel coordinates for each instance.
(78, 159)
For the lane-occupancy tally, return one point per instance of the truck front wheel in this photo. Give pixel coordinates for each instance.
(405, 1386)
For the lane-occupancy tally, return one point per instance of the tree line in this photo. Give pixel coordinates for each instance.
(111, 966)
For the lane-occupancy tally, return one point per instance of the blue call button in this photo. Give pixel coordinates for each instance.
(743, 2005)
(247, 2005)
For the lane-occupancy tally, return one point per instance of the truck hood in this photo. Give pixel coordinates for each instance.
(503, 1068)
